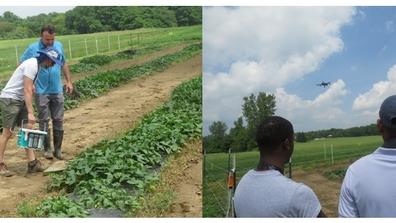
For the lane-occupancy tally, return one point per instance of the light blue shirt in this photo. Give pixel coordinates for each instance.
(270, 194)
(49, 80)
(369, 186)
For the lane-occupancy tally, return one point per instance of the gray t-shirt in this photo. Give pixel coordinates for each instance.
(270, 194)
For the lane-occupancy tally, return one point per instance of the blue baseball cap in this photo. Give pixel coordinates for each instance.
(52, 54)
(387, 112)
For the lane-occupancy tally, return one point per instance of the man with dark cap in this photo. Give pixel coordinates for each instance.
(369, 187)
(265, 191)
(16, 102)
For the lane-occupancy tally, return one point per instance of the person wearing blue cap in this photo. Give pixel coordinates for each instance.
(16, 103)
(368, 189)
(49, 91)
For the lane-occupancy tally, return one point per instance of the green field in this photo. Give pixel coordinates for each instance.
(78, 46)
(309, 154)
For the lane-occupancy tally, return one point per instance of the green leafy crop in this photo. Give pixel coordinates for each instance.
(114, 173)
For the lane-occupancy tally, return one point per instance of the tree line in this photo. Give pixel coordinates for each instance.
(90, 19)
(241, 137)
(367, 130)
(255, 108)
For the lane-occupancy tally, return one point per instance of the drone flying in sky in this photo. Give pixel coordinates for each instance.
(324, 84)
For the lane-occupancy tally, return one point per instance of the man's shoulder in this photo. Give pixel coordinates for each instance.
(29, 62)
(361, 163)
(58, 44)
(34, 45)
(302, 188)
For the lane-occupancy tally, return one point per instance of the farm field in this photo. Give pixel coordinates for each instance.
(84, 45)
(99, 115)
(311, 163)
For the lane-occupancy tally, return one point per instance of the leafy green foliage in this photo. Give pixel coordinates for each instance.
(27, 208)
(300, 137)
(337, 174)
(368, 130)
(114, 173)
(88, 19)
(216, 141)
(255, 109)
(94, 62)
(129, 53)
(97, 59)
(241, 138)
(82, 67)
(90, 63)
(60, 206)
(237, 138)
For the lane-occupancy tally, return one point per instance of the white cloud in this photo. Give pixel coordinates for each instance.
(252, 49)
(319, 113)
(370, 101)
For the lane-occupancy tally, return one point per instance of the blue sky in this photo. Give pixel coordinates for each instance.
(369, 51)
(288, 50)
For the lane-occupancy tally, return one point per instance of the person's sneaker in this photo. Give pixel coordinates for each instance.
(4, 170)
(35, 166)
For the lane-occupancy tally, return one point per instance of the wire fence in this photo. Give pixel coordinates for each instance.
(215, 171)
(78, 46)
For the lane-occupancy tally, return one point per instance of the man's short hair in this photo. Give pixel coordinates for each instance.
(49, 28)
(271, 132)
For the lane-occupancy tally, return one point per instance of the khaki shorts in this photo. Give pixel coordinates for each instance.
(13, 112)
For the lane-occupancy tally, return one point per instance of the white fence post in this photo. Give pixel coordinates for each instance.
(119, 43)
(16, 54)
(86, 47)
(70, 50)
(108, 40)
(97, 48)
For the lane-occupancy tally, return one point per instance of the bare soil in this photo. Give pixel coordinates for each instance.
(97, 119)
(187, 183)
(178, 193)
(327, 190)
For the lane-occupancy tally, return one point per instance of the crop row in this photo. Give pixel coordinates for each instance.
(94, 62)
(95, 85)
(115, 173)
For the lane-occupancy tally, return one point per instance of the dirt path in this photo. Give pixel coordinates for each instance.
(100, 118)
(188, 186)
(328, 191)
(179, 190)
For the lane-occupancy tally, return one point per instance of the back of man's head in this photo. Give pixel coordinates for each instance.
(271, 132)
(387, 114)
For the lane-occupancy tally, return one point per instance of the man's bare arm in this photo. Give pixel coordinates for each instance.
(28, 93)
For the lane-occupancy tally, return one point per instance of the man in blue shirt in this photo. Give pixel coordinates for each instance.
(49, 91)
